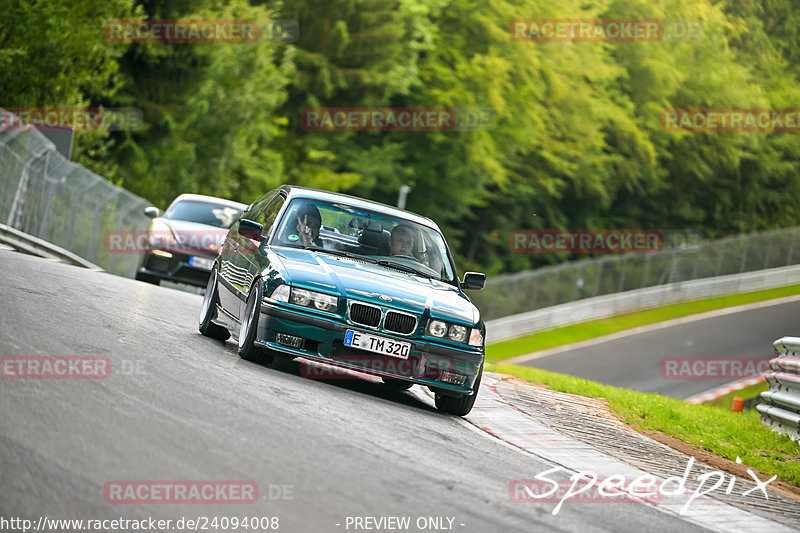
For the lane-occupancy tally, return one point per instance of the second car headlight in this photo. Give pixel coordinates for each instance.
(453, 332)
(314, 300)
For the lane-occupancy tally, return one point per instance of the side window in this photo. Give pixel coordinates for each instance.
(267, 217)
(257, 207)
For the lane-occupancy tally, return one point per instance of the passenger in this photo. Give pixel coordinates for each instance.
(402, 241)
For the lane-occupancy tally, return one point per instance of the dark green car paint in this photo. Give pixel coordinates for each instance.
(244, 260)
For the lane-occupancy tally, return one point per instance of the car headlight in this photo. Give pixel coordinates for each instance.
(314, 300)
(437, 328)
(453, 332)
(457, 333)
(160, 235)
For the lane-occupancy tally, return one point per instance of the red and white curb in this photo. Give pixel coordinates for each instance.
(713, 394)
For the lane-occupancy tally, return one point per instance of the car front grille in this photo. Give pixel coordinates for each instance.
(366, 315)
(400, 322)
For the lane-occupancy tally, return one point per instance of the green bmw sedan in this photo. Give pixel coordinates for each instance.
(350, 283)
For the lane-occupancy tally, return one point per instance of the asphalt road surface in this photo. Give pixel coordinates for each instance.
(634, 362)
(179, 406)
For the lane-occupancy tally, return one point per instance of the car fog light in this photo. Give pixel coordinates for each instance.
(288, 340)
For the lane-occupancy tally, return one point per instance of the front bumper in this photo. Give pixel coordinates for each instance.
(175, 268)
(323, 340)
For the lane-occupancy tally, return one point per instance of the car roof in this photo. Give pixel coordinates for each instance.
(295, 191)
(210, 200)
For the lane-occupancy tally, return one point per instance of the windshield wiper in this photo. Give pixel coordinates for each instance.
(343, 254)
(404, 268)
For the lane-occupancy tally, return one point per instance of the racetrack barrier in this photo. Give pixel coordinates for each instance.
(781, 408)
(54, 200)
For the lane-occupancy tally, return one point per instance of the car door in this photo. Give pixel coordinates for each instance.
(252, 252)
(233, 270)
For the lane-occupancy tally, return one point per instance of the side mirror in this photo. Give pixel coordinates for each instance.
(250, 229)
(151, 212)
(473, 280)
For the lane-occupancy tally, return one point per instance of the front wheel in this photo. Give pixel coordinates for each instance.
(460, 405)
(247, 334)
(209, 309)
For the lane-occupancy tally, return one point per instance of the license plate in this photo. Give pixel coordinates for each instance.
(374, 343)
(201, 262)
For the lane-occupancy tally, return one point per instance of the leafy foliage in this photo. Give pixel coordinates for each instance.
(576, 140)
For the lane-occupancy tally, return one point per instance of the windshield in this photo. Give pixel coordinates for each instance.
(221, 216)
(386, 240)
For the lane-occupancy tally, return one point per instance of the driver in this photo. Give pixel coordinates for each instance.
(402, 241)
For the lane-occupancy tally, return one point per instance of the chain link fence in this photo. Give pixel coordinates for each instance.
(44, 194)
(510, 294)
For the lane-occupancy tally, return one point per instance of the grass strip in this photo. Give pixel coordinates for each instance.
(597, 328)
(721, 432)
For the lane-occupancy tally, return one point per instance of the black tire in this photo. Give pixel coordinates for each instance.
(398, 383)
(209, 310)
(459, 405)
(247, 334)
(147, 278)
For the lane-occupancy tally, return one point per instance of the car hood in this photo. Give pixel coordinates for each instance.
(192, 237)
(367, 282)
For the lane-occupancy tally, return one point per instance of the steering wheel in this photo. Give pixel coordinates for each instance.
(404, 256)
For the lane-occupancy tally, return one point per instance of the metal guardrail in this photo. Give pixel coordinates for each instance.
(36, 246)
(513, 326)
(781, 408)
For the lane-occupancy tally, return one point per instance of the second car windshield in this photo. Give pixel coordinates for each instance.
(221, 216)
(393, 242)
